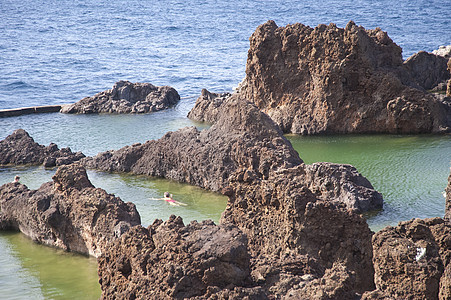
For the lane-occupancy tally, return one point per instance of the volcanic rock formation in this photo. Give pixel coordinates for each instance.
(20, 149)
(170, 260)
(333, 80)
(126, 97)
(413, 259)
(299, 232)
(242, 138)
(68, 213)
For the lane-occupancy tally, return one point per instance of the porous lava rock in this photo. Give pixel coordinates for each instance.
(285, 221)
(20, 149)
(169, 260)
(412, 260)
(67, 213)
(126, 97)
(333, 80)
(427, 69)
(298, 232)
(241, 138)
(207, 106)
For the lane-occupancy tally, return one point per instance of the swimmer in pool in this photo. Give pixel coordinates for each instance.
(168, 198)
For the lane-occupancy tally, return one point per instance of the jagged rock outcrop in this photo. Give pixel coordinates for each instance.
(170, 260)
(20, 149)
(126, 97)
(207, 106)
(332, 80)
(247, 140)
(242, 138)
(68, 213)
(412, 260)
(298, 233)
(427, 69)
(285, 221)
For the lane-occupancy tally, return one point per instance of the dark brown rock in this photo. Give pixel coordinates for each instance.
(207, 107)
(448, 90)
(341, 183)
(244, 137)
(427, 70)
(20, 149)
(295, 237)
(332, 80)
(170, 260)
(412, 260)
(68, 213)
(283, 218)
(126, 97)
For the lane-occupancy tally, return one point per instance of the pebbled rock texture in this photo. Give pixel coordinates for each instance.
(169, 260)
(412, 260)
(244, 137)
(68, 213)
(207, 107)
(298, 234)
(248, 140)
(333, 80)
(20, 149)
(126, 97)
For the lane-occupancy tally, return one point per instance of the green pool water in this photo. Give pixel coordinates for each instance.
(410, 171)
(32, 271)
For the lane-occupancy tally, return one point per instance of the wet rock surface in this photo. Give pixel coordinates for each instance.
(68, 213)
(333, 80)
(20, 149)
(126, 97)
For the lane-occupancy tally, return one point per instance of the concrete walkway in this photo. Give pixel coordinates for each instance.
(29, 110)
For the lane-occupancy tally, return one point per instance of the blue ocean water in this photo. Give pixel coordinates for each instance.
(54, 52)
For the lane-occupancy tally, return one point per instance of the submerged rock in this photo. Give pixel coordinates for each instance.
(68, 213)
(126, 97)
(20, 149)
(333, 80)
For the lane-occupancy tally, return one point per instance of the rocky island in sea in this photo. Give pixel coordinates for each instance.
(126, 97)
(290, 230)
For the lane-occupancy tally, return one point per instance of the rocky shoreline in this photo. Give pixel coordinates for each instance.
(290, 230)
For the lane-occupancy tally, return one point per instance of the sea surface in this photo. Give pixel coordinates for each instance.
(57, 52)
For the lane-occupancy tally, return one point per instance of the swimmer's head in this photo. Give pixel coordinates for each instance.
(166, 194)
